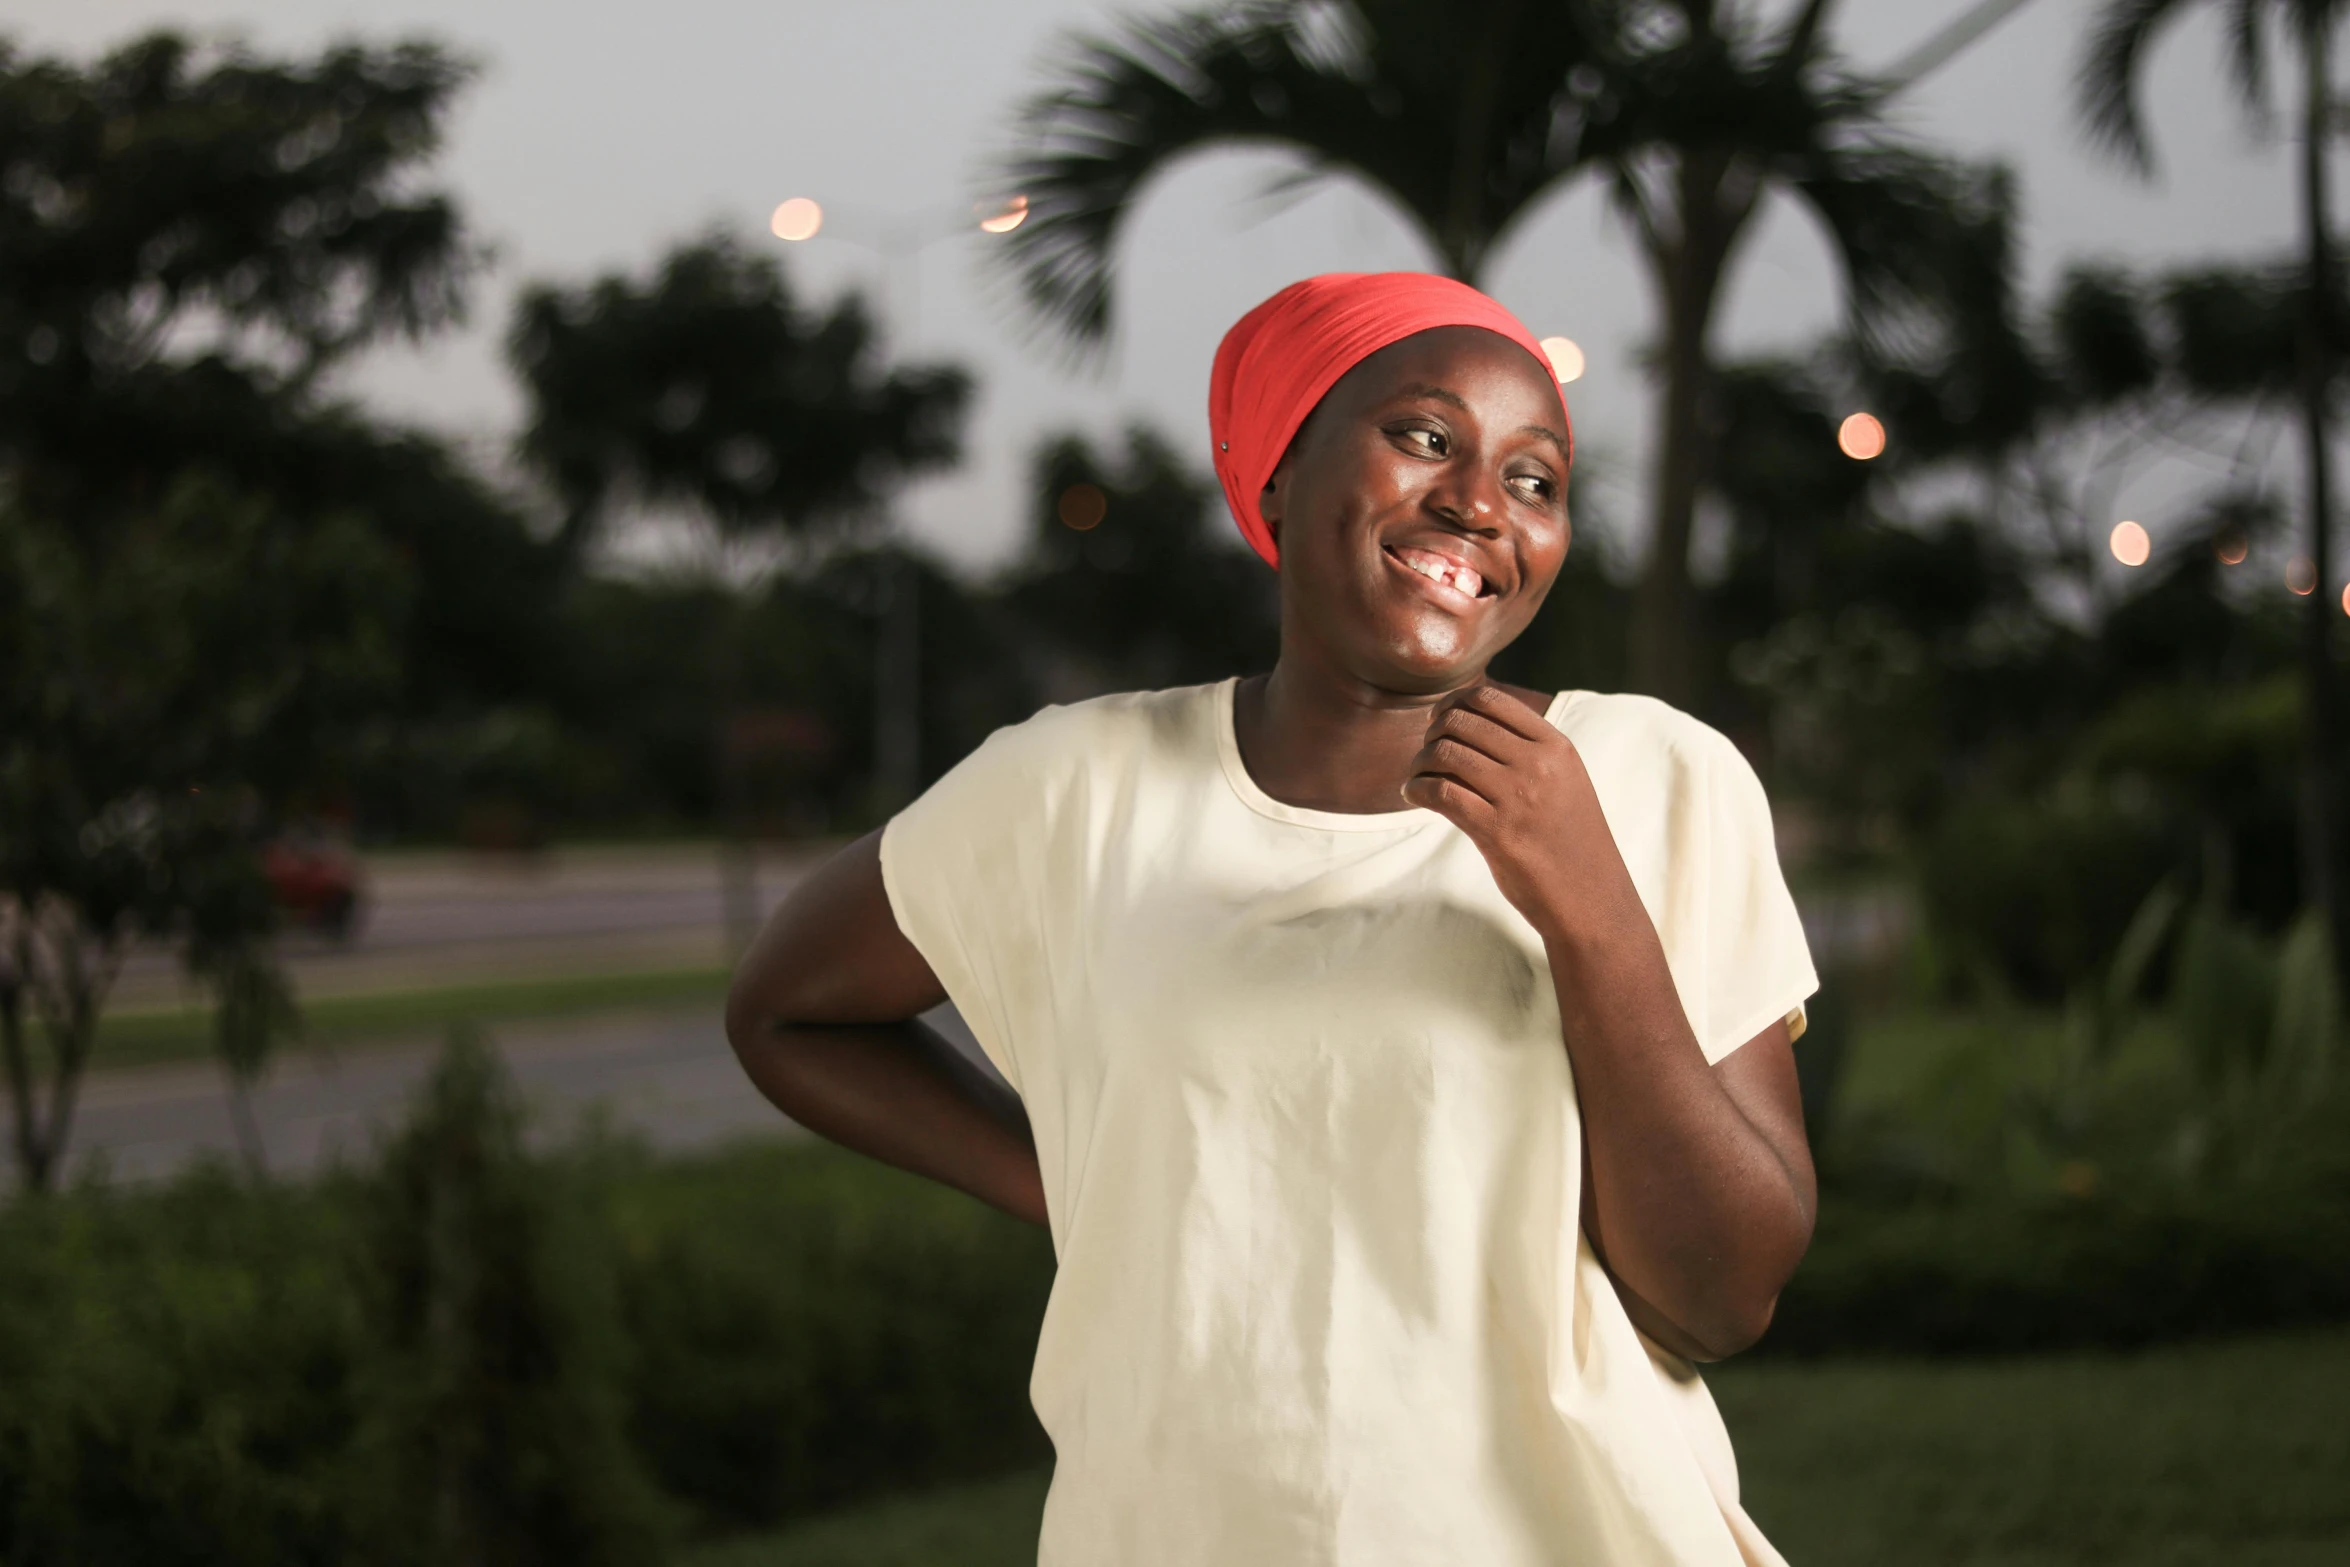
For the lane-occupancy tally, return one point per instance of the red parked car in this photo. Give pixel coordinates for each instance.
(315, 880)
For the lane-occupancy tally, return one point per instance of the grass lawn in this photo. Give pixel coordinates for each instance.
(991, 1523)
(2235, 1452)
(183, 1033)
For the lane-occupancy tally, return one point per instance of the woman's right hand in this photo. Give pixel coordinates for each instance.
(824, 1016)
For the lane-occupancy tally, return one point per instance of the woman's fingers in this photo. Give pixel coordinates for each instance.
(1458, 759)
(1471, 727)
(1497, 707)
(1449, 798)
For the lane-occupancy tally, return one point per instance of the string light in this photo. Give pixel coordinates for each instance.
(797, 219)
(2130, 544)
(1566, 358)
(1007, 217)
(1861, 437)
(1082, 507)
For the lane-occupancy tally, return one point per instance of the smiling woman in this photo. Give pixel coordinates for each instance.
(1400, 1061)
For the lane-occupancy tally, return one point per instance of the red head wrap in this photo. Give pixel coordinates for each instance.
(1279, 359)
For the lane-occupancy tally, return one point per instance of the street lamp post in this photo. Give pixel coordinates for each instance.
(899, 240)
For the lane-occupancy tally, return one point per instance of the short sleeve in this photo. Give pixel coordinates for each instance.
(1744, 963)
(962, 868)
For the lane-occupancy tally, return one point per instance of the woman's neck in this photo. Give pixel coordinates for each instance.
(1323, 741)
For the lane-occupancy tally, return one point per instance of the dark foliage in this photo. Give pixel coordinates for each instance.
(810, 1328)
(191, 1370)
(2108, 1273)
(168, 186)
(1132, 577)
(708, 387)
(388, 1365)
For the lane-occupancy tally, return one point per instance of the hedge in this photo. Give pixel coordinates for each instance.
(187, 1374)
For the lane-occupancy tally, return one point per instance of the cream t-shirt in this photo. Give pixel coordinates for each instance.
(1310, 1145)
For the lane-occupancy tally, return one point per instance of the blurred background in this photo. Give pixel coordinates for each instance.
(490, 493)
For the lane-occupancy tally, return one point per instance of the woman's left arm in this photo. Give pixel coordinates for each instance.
(1698, 1184)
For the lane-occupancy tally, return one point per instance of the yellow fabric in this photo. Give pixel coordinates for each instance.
(1310, 1146)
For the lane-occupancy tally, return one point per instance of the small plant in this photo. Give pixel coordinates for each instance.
(496, 1415)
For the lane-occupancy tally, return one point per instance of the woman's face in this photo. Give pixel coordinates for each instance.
(1422, 510)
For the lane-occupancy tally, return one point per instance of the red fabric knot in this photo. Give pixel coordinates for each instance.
(1279, 360)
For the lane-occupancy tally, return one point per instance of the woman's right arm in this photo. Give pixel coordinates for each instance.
(824, 1017)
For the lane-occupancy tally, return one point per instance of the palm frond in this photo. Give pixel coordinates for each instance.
(1920, 236)
(2248, 55)
(2098, 331)
(1800, 42)
(2106, 86)
(1377, 98)
(1127, 107)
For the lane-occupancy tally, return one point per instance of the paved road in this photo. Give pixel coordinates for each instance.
(443, 919)
(667, 1077)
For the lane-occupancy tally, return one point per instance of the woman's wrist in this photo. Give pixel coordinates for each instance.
(1582, 915)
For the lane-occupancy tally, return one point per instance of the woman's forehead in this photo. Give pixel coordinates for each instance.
(1463, 365)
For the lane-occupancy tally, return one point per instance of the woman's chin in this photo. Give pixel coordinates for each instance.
(1431, 661)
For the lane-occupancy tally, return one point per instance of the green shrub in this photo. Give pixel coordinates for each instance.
(176, 1377)
(228, 1374)
(214, 1372)
(2036, 895)
(492, 1416)
(810, 1326)
(1997, 1183)
(2113, 1272)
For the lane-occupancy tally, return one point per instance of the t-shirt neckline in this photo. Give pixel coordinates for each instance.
(1236, 774)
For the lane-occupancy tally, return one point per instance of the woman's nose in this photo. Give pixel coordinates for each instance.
(1469, 499)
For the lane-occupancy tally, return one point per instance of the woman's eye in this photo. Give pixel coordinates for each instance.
(1533, 486)
(1429, 443)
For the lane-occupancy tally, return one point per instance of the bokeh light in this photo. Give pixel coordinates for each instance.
(797, 219)
(2346, 598)
(1861, 437)
(2130, 544)
(1083, 506)
(2301, 575)
(1566, 358)
(1007, 217)
(2231, 548)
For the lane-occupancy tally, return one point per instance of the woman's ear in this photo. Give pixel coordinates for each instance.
(1273, 499)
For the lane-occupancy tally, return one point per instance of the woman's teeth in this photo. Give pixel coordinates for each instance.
(1439, 568)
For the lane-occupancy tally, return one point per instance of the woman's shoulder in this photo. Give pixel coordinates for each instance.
(1625, 727)
(1123, 728)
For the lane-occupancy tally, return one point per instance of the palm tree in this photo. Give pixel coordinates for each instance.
(1692, 110)
(2123, 37)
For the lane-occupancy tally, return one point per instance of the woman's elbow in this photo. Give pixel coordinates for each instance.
(748, 1019)
(1737, 1328)
(760, 1006)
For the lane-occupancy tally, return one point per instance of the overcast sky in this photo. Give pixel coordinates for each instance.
(598, 133)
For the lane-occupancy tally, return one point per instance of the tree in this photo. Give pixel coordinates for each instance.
(189, 238)
(708, 390)
(161, 702)
(2118, 47)
(177, 223)
(1692, 110)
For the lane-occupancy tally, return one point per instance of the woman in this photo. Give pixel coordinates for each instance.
(1402, 1060)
